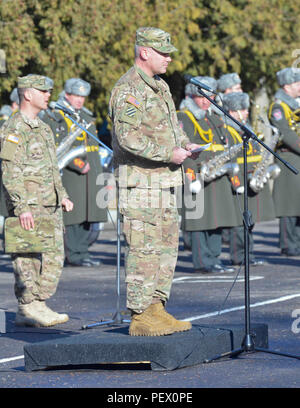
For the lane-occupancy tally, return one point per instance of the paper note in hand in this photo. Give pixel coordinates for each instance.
(201, 148)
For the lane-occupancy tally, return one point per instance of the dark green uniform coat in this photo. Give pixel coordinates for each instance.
(284, 114)
(286, 190)
(260, 204)
(219, 206)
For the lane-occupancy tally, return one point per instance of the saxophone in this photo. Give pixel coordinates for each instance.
(265, 169)
(218, 166)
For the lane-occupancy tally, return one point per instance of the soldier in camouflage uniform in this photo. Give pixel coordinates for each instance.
(33, 188)
(260, 204)
(149, 148)
(284, 115)
(5, 112)
(80, 176)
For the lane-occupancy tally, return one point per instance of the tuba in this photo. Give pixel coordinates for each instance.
(78, 151)
(68, 141)
(65, 154)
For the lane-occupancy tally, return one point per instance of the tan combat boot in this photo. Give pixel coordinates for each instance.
(29, 315)
(146, 324)
(57, 318)
(157, 309)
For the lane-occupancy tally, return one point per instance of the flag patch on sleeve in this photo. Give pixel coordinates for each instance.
(131, 99)
(13, 139)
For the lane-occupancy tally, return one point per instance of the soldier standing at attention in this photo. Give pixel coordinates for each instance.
(80, 177)
(149, 148)
(284, 115)
(33, 188)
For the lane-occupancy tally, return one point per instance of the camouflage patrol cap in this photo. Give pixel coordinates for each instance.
(77, 86)
(191, 89)
(288, 76)
(228, 81)
(40, 82)
(154, 38)
(236, 101)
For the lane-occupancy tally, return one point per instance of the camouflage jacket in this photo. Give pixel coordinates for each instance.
(145, 131)
(29, 165)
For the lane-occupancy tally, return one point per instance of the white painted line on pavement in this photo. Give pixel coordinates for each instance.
(233, 309)
(215, 279)
(7, 360)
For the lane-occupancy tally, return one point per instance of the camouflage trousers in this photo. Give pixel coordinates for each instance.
(150, 227)
(37, 275)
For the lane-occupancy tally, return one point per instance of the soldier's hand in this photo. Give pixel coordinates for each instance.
(26, 221)
(179, 155)
(67, 205)
(192, 146)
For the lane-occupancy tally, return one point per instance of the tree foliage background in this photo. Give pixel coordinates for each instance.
(94, 40)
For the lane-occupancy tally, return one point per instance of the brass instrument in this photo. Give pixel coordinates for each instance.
(66, 158)
(218, 166)
(63, 152)
(67, 141)
(265, 169)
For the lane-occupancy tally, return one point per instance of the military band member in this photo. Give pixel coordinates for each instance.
(260, 204)
(229, 83)
(80, 175)
(33, 188)
(149, 148)
(204, 126)
(284, 115)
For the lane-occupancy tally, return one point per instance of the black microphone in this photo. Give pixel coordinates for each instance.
(194, 81)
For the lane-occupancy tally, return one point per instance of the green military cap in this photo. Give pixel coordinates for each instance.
(236, 101)
(39, 82)
(288, 76)
(154, 38)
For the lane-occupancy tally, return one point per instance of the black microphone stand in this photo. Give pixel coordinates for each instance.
(248, 342)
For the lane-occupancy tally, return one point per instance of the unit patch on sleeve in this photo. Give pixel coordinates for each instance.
(132, 111)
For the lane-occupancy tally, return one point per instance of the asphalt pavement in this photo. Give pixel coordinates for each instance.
(89, 295)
